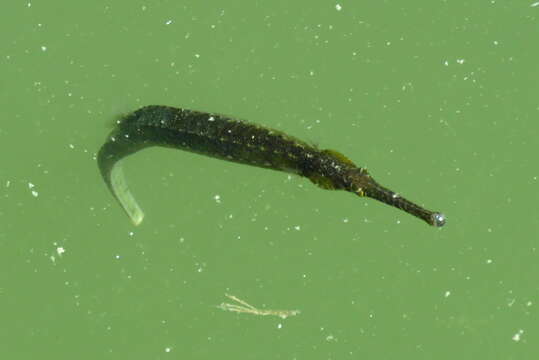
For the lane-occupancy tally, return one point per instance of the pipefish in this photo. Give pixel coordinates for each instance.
(238, 141)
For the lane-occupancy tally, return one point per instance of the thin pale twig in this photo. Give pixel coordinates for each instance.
(247, 308)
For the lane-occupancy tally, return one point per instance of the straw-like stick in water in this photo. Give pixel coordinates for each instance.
(246, 308)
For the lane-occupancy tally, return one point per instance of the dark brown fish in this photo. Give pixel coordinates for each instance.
(238, 141)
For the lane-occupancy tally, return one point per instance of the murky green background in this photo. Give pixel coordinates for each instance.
(439, 99)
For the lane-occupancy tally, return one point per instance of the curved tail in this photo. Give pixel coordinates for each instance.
(109, 160)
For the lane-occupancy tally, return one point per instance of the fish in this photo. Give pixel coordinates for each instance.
(226, 138)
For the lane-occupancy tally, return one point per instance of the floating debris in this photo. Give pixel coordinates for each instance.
(244, 307)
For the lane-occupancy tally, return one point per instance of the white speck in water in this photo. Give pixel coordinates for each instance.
(297, 227)
(460, 61)
(117, 257)
(279, 326)
(447, 293)
(197, 56)
(518, 335)
(8, 183)
(211, 118)
(489, 261)
(168, 349)
(43, 48)
(71, 146)
(535, 4)
(60, 250)
(338, 7)
(345, 220)
(217, 199)
(168, 22)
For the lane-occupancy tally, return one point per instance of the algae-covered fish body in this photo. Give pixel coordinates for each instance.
(238, 141)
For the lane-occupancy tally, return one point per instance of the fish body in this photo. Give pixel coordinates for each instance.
(239, 141)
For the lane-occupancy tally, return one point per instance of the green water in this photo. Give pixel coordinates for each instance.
(437, 99)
